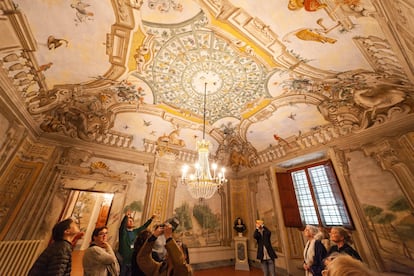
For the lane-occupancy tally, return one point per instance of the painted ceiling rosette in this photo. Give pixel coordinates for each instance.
(189, 59)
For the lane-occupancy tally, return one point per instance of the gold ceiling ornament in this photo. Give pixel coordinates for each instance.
(203, 183)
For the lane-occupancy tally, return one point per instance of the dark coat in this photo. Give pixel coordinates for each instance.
(264, 240)
(347, 249)
(135, 270)
(320, 254)
(55, 260)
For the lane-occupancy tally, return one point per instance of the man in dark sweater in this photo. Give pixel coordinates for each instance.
(56, 259)
(265, 251)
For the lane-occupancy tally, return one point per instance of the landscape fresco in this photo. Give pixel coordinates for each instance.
(385, 207)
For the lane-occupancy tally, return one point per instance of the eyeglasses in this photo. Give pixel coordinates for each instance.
(103, 234)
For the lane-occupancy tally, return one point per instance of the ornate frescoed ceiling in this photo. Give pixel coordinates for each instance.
(279, 76)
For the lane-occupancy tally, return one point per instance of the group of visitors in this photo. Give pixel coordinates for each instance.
(336, 258)
(340, 258)
(137, 256)
(145, 252)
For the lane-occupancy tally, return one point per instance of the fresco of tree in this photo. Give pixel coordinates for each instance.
(205, 217)
(183, 214)
(135, 207)
(82, 209)
(392, 227)
(199, 225)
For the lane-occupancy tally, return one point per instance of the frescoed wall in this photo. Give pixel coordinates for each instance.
(107, 97)
(386, 209)
(266, 210)
(200, 221)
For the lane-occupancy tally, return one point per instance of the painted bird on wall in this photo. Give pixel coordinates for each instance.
(45, 67)
(53, 43)
(280, 139)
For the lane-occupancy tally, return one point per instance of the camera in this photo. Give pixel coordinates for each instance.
(173, 221)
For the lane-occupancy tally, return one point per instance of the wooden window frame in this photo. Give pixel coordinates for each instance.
(288, 198)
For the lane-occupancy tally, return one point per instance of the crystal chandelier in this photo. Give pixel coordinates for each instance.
(202, 183)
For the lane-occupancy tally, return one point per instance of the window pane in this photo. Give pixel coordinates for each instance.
(323, 200)
(304, 197)
(328, 206)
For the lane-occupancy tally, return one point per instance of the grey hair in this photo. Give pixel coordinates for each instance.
(313, 229)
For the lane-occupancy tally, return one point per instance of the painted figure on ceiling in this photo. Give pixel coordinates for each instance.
(172, 139)
(314, 34)
(237, 159)
(309, 5)
(350, 3)
(82, 12)
(53, 43)
(45, 67)
(175, 139)
(381, 96)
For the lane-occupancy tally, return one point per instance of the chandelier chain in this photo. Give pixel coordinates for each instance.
(202, 184)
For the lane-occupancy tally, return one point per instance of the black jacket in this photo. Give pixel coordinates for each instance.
(319, 255)
(347, 249)
(55, 260)
(264, 240)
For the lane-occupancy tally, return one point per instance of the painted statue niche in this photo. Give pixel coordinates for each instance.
(237, 159)
(241, 156)
(238, 152)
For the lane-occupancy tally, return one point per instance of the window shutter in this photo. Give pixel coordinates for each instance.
(288, 200)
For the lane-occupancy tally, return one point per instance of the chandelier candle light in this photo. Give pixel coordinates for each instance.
(202, 184)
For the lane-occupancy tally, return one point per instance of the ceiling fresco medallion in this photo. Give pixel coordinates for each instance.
(186, 62)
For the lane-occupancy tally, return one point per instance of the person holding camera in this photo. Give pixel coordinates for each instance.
(265, 252)
(174, 262)
(158, 250)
